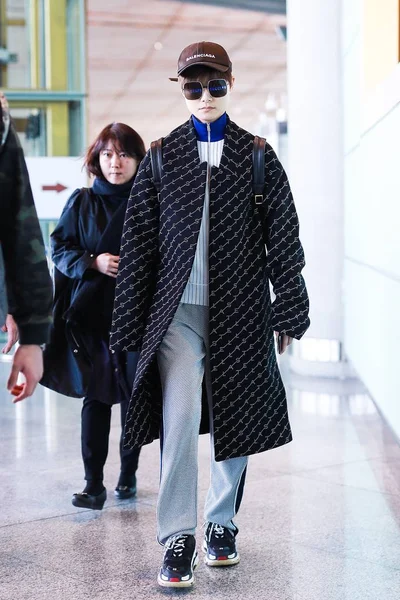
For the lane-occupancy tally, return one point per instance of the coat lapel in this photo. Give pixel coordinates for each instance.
(183, 182)
(232, 175)
(181, 157)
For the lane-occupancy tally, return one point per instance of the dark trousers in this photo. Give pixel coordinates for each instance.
(95, 432)
(96, 419)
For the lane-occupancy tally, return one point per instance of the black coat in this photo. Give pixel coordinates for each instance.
(157, 252)
(89, 225)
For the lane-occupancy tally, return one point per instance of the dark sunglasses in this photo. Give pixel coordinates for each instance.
(193, 90)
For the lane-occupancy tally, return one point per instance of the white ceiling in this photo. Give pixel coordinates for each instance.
(128, 77)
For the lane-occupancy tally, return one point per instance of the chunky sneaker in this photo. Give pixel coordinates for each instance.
(180, 560)
(220, 546)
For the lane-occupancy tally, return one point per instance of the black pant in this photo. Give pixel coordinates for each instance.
(96, 419)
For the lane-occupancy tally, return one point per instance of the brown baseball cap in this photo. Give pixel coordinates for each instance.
(208, 54)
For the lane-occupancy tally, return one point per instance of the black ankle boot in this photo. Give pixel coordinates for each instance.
(93, 496)
(126, 487)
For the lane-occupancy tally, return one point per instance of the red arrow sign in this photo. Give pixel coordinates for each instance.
(54, 188)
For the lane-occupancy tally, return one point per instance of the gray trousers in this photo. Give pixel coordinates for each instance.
(183, 361)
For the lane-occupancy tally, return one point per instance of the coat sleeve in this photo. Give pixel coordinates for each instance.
(67, 251)
(138, 263)
(28, 281)
(285, 258)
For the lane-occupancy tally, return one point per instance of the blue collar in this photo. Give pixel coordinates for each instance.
(217, 129)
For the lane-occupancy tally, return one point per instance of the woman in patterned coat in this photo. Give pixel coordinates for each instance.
(193, 297)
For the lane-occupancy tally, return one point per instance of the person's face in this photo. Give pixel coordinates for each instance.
(117, 166)
(208, 108)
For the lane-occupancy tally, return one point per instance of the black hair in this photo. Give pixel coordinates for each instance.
(121, 136)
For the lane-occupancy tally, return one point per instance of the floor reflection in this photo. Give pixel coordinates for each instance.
(320, 516)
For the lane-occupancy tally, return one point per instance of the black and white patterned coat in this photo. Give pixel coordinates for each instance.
(157, 253)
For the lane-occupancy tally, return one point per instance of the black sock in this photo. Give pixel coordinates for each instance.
(94, 487)
(126, 480)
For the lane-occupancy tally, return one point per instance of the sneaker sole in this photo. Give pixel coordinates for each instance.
(220, 563)
(179, 584)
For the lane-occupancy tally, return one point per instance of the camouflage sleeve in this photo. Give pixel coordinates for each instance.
(28, 281)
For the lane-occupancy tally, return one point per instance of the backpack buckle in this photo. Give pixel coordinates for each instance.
(258, 198)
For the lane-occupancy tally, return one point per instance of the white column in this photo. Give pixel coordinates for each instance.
(371, 75)
(315, 162)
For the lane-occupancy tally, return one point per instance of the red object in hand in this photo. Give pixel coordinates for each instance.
(17, 389)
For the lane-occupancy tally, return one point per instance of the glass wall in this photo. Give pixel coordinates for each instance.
(31, 127)
(42, 71)
(15, 44)
(22, 44)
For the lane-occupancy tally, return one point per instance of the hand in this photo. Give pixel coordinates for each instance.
(27, 360)
(286, 341)
(3, 102)
(10, 327)
(107, 264)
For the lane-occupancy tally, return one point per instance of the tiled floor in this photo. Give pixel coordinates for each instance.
(319, 521)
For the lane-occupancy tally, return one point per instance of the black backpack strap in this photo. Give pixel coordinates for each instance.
(156, 162)
(258, 169)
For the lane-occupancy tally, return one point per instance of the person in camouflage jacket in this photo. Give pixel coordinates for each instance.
(25, 283)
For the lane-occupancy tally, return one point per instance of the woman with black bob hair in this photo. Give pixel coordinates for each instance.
(85, 250)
